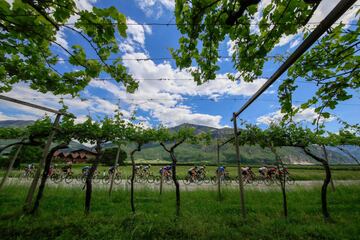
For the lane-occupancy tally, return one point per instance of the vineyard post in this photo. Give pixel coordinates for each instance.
(241, 186)
(217, 171)
(113, 175)
(11, 166)
(35, 181)
(282, 179)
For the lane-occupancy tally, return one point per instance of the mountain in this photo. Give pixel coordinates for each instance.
(215, 132)
(16, 123)
(188, 153)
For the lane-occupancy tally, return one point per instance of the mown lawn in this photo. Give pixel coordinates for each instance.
(202, 215)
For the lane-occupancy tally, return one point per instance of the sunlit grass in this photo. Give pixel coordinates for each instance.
(202, 215)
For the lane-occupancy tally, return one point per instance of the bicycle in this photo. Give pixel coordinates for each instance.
(224, 178)
(166, 175)
(117, 177)
(95, 177)
(28, 173)
(248, 178)
(55, 175)
(280, 175)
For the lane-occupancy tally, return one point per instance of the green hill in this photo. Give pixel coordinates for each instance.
(207, 154)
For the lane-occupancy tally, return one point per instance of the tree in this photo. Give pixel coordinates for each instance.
(63, 135)
(206, 24)
(32, 136)
(177, 138)
(297, 136)
(28, 32)
(96, 133)
(140, 136)
(333, 65)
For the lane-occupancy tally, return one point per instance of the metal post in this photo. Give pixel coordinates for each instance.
(218, 174)
(10, 166)
(41, 164)
(241, 185)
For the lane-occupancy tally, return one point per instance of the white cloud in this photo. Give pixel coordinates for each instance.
(155, 8)
(231, 47)
(10, 2)
(321, 12)
(325, 7)
(80, 107)
(80, 5)
(295, 43)
(285, 40)
(17, 116)
(61, 38)
(136, 33)
(307, 115)
(163, 98)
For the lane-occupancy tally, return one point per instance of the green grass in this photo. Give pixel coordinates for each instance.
(202, 216)
(298, 172)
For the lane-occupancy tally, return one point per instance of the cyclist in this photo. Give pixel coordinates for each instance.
(271, 172)
(146, 168)
(31, 166)
(138, 168)
(220, 170)
(166, 171)
(51, 170)
(67, 168)
(201, 169)
(263, 171)
(282, 170)
(192, 172)
(245, 171)
(112, 169)
(85, 170)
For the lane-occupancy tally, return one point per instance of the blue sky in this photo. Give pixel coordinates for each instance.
(177, 100)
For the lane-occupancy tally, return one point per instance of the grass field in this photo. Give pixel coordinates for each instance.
(202, 216)
(298, 172)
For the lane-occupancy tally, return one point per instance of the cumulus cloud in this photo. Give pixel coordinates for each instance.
(155, 8)
(163, 89)
(136, 33)
(307, 115)
(231, 47)
(324, 9)
(321, 12)
(17, 116)
(81, 107)
(61, 38)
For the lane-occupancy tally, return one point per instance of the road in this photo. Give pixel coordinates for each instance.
(184, 187)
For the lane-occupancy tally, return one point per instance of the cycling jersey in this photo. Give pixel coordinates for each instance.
(112, 169)
(263, 170)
